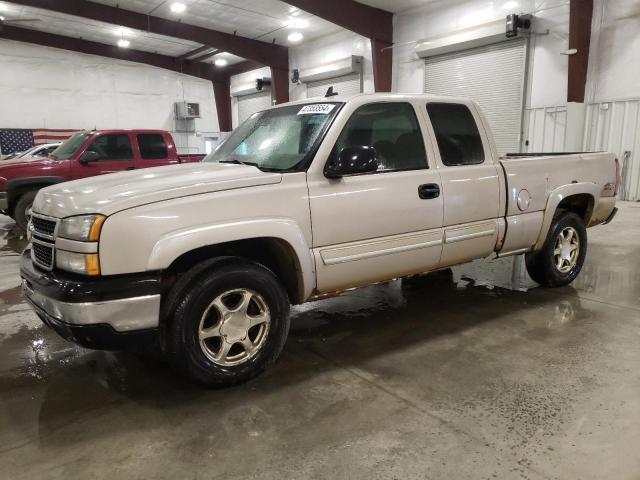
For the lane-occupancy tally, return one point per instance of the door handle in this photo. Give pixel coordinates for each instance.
(130, 168)
(429, 190)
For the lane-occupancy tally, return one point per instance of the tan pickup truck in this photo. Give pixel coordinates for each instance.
(302, 200)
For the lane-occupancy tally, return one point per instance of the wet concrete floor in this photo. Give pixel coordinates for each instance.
(451, 376)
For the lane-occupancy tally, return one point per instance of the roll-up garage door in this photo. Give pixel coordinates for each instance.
(345, 85)
(252, 103)
(492, 75)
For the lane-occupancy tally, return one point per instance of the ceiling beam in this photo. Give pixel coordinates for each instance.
(196, 51)
(580, 14)
(199, 58)
(196, 69)
(266, 53)
(362, 19)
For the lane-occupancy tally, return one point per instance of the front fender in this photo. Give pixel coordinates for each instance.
(176, 243)
(556, 196)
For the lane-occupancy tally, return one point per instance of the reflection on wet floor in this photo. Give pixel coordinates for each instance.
(473, 363)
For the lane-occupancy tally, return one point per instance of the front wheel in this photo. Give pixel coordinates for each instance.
(560, 259)
(230, 325)
(23, 207)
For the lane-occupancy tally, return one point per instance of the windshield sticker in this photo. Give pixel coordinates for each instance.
(322, 108)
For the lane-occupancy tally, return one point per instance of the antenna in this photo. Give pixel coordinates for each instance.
(330, 92)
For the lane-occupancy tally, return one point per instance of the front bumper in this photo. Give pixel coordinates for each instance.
(4, 201)
(107, 313)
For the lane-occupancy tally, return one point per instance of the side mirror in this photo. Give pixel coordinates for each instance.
(352, 161)
(89, 156)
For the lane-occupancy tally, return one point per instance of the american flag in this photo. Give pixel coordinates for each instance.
(51, 135)
(15, 140)
(20, 139)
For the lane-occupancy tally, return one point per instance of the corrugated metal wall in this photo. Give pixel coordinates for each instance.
(545, 129)
(613, 126)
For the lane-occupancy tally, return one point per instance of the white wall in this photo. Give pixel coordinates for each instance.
(44, 87)
(547, 68)
(614, 60)
(326, 50)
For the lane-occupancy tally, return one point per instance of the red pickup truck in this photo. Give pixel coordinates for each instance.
(85, 154)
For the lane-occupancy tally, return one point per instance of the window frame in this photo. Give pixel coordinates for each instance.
(479, 127)
(102, 135)
(419, 125)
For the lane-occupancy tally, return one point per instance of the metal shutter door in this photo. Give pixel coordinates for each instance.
(494, 77)
(346, 85)
(250, 104)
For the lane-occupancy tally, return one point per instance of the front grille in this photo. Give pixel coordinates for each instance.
(43, 226)
(42, 254)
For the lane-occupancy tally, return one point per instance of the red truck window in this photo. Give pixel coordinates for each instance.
(152, 146)
(457, 134)
(113, 147)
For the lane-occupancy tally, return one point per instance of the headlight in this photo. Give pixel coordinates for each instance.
(82, 227)
(83, 263)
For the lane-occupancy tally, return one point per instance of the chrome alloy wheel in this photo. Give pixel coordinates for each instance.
(567, 248)
(234, 327)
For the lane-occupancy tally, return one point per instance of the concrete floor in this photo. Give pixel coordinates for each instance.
(452, 378)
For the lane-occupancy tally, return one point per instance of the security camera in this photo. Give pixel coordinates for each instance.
(262, 82)
(515, 22)
(295, 76)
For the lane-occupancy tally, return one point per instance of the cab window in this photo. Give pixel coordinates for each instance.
(457, 134)
(392, 130)
(112, 147)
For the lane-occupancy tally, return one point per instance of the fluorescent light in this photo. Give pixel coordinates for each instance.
(220, 62)
(178, 7)
(295, 37)
(510, 5)
(123, 43)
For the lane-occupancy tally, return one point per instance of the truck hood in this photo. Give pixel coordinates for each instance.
(25, 161)
(114, 192)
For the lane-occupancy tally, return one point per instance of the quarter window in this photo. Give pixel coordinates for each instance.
(152, 146)
(112, 147)
(392, 130)
(457, 134)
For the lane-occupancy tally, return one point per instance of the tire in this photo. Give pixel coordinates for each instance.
(560, 260)
(20, 211)
(226, 357)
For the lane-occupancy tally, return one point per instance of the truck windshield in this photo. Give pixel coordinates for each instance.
(71, 146)
(276, 139)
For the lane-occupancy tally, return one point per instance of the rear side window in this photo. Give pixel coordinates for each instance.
(457, 134)
(152, 146)
(112, 147)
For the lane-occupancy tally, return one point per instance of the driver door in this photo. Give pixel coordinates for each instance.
(114, 155)
(384, 224)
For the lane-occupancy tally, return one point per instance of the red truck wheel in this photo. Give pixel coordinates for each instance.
(23, 206)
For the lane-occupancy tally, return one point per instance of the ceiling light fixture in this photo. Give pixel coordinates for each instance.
(510, 5)
(295, 37)
(220, 62)
(178, 7)
(122, 43)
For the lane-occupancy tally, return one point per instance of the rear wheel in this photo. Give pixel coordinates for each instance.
(23, 208)
(230, 324)
(560, 259)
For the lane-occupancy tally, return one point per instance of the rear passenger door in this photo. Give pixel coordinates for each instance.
(154, 151)
(470, 182)
(114, 154)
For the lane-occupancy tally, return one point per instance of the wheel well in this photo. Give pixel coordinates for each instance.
(275, 254)
(581, 204)
(15, 193)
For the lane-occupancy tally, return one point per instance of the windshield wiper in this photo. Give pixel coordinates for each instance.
(239, 162)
